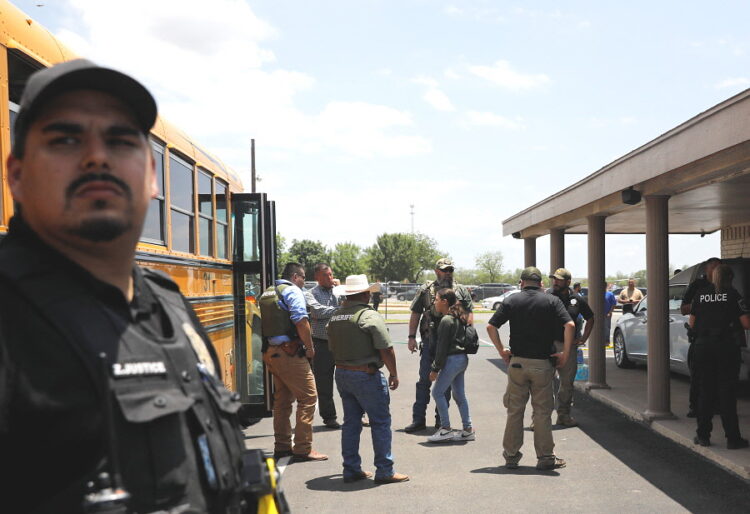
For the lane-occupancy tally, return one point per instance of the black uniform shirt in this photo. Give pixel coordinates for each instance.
(575, 304)
(50, 412)
(696, 284)
(535, 319)
(717, 311)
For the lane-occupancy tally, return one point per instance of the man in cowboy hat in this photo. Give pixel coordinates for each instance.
(359, 341)
(425, 316)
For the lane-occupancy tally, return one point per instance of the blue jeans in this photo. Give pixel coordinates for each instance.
(360, 393)
(452, 376)
(419, 409)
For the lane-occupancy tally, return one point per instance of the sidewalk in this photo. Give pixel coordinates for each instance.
(628, 394)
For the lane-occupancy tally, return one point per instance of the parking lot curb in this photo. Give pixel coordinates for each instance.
(713, 453)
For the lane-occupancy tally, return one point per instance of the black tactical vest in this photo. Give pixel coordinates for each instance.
(177, 436)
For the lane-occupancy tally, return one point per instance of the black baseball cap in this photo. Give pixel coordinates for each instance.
(45, 84)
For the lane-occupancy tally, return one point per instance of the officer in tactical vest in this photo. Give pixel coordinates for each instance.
(719, 317)
(288, 349)
(360, 344)
(426, 317)
(579, 310)
(110, 397)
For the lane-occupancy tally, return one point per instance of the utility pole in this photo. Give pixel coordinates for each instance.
(252, 165)
(412, 218)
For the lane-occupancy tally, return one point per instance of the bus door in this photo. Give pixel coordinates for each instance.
(253, 270)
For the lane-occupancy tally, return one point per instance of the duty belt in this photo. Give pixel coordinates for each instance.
(370, 370)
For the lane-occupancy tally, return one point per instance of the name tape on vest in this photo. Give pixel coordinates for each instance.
(342, 317)
(141, 369)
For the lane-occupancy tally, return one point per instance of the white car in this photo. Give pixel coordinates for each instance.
(494, 302)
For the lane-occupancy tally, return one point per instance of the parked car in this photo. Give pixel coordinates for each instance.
(483, 291)
(631, 330)
(407, 294)
(395, 288)
(493, 302)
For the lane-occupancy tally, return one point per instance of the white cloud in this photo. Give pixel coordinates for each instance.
(210, 67)
(733, 82)
(489, 119)
(451, 74)
(434, 96)
(425, 81)
(453, 10)
(628, 120)
(503, 75)
(438, 100)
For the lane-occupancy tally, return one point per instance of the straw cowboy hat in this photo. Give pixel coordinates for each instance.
(355, 284)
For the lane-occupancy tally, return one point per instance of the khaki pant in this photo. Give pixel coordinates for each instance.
(567, 376)
(529, 377)
(293, 380)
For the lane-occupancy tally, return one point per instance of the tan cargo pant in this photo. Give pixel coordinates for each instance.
(529, 377)
(567, 376)
(293, 379)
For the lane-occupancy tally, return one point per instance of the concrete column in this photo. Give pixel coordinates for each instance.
(657, 273)
(529, 251)
(597, 356)
(556, 249)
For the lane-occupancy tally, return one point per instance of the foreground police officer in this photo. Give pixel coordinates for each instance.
(427, 318)
(535, 319)
(579, 310)
(687, 302)
(361, 345)
(718, 316)
(82, 328)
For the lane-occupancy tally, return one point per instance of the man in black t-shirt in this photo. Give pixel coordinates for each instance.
(535, 319)
(687, 300)
(579, 311)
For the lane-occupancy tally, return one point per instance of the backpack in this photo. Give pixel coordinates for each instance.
(467, 338)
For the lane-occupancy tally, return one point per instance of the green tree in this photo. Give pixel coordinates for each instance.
(347, 259)
(491, 264)
(308, 253)
(282, 256)
(402, 256)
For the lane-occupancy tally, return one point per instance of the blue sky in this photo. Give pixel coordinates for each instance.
(471, 111)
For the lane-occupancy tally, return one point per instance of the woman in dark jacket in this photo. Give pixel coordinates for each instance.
(449, 366)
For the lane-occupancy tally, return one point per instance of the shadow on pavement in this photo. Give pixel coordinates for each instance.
(427, 444)
(678, 472)
(521, 470)
(336, 483)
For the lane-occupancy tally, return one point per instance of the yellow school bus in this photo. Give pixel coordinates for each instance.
(217, 243)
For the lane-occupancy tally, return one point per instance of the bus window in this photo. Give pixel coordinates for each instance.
(181, 194)
(222, 223)
(153, 228)
(205, 214)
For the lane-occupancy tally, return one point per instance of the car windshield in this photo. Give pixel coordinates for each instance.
(676, 293)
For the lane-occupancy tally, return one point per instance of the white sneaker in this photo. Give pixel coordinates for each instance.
(441, 436)
(465, 435)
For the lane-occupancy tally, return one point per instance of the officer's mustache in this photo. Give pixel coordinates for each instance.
(97, 177)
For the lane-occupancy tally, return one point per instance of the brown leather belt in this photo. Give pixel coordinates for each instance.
(370, 370)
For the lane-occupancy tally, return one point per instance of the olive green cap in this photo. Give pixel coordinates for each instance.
(562, 274)
(531, 273)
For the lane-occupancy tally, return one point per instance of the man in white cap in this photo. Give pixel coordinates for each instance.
(359, 341)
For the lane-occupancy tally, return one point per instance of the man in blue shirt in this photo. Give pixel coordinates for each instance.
(290, 367)
(609, 305)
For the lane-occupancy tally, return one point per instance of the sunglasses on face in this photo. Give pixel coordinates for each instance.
(448, 270)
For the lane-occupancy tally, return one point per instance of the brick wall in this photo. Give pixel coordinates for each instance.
(735, 241)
